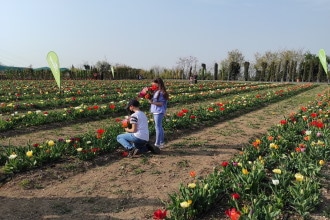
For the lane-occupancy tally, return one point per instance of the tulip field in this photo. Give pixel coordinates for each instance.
(278, 175)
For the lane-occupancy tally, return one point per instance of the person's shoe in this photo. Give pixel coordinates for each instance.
(162, 145)
(133, 152)
(155, 149)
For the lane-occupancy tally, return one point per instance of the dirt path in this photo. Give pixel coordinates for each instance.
(126, 189)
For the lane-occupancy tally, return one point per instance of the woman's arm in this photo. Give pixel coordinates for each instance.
(155, 103)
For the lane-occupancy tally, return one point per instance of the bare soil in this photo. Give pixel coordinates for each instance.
(117, 188)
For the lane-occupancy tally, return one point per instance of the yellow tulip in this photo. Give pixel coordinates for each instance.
(185, 204)
(277, 171)
(29, 153)
(192, 185)
(321, 162)
(245, 171)
(51, 143)
(273, 145)
(299, 177)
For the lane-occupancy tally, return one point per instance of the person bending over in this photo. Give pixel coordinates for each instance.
(135, 139)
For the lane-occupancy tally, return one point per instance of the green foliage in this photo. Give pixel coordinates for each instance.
(274, 176)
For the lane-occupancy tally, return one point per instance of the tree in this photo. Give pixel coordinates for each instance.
(103, 68)
(289, 57)
(293, 71)
(310, 72)
(285, 71)
(234, 70)
(305, 69)
(272, 72)
(215, 77)
(157, 70)
(281, 66)
(263, 71)
(310, 65)
(203, 70)
(246, 70)
(263, 64)
(185, 64)
(234, 56)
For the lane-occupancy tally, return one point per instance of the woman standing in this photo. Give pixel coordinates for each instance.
(158, 109)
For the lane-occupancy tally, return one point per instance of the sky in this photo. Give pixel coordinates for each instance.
(157, 33)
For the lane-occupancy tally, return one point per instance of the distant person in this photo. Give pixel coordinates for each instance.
(195, 78)
(191, 80)
(158, 109)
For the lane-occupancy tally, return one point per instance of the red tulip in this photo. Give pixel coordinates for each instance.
(159, 214)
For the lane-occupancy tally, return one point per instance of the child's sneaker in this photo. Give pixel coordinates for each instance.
(133, 152)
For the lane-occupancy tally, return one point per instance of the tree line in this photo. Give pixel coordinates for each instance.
(281, 66)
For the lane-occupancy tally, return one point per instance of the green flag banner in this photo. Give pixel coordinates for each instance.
(113, 73)
(54, 65)
(323, 60)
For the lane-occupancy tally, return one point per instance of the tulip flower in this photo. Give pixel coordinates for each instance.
(12, 156)
(185, 204)
(276, 182)
(159, 214)
(299, 177)
(245, 171)
(321, 162)
(51, 143)
(191, 185)
(277, 171)
(29, 153)
(233, 214)
(192, 174)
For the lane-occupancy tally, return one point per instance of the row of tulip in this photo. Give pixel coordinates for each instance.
(14, 101)
(27, 90)
(35, 118)
(47, 101)
(274, 177)
(14, 159)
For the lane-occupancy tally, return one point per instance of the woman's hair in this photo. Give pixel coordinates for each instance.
(161, 87)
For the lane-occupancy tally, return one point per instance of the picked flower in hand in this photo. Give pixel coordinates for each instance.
(125, 123)
(148, 92)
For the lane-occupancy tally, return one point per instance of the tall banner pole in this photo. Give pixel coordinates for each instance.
(54, 65)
